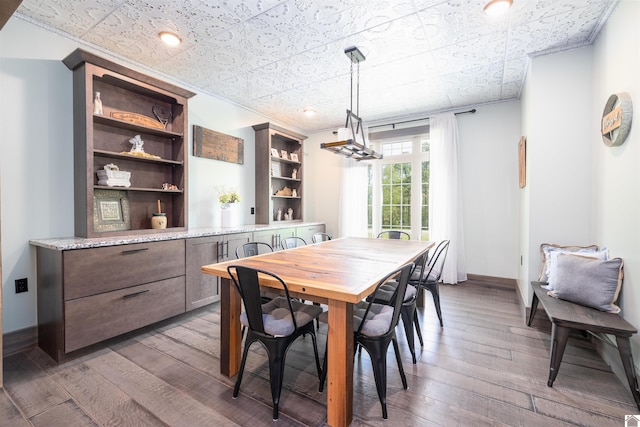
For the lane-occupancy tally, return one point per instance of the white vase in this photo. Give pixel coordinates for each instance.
(230, 215)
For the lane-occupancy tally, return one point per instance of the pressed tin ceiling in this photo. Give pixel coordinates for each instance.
(278, 57)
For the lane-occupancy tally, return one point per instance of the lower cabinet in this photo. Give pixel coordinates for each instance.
(203, 289)
(274, 237)
(89, 295)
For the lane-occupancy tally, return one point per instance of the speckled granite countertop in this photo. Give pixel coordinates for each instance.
(70, 243)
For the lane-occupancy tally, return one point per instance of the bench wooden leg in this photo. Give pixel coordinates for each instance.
(627, 361)
(534, 307)
(559, 337)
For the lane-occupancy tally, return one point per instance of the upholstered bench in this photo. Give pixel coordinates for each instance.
(566, 315)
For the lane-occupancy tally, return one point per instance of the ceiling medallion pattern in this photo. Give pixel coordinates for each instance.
(279, 57)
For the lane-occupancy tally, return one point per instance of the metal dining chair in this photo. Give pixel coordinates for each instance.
(320, 237)
(267, 324)
(293, 242)
(374, 328)
(429, 278)
(252, 249)
(394, 234)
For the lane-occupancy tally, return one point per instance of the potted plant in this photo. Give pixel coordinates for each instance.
(229, 202)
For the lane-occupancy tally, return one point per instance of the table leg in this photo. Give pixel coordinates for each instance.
(340, 364)
(627, 361)
(534, 307)
(230, 338)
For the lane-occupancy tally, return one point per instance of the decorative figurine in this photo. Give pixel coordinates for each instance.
(97, 104)
(294, 193)
(286, 217)
(294, 174)
(137, 143)
(279, 215)
(290, 212)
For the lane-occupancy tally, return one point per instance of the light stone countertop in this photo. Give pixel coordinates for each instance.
(70, 243)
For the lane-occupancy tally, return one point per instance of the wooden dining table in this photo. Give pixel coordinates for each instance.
(338, 273)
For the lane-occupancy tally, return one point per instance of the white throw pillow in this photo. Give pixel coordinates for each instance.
(547, 248)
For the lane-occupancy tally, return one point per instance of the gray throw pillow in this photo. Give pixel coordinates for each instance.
(589, 281)
(547, 248)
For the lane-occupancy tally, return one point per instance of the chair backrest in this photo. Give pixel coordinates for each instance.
(433, 272)
(394, 234)
(252, 249)
(320, 237)
(401, 275)
(247, 283)
(293, 242)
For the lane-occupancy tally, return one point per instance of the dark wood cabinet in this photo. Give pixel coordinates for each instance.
(101, 139)
(275, 173)
(88, 295)
(203, 289)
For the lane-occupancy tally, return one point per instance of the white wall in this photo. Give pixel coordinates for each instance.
(615, 183)
(489, 168)
(558, 195)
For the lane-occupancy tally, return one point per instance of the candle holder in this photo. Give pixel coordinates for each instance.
(159, 220)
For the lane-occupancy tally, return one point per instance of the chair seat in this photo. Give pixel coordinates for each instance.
(378, 319)
(385, 293)
(415, 276)
(276, 316)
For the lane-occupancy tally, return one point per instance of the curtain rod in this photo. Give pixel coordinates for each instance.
(393, 125)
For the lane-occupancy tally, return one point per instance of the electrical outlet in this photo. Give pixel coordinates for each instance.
(253, 211)
(21, 285)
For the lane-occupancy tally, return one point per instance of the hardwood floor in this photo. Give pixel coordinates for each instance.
(485, 367)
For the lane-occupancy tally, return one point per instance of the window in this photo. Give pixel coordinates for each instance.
(399, 187)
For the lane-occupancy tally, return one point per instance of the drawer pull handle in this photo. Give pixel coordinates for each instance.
(134, 294)
(134, 251)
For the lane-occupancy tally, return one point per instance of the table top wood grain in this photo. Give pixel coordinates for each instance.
(345, 269)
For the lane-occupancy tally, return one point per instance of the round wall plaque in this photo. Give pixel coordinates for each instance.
(616, 119)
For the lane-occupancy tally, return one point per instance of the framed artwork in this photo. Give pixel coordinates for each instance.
(522, 162)
(275, 169)
(110, 211)
(294, 157)
(274, 152)
(284, 154)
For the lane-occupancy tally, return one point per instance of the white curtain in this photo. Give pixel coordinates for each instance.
(353, 199)
(445, 198)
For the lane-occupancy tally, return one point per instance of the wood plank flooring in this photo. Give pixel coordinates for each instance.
(485, 367)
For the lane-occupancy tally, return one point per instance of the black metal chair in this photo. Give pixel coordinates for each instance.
(320, 237)
(429, 278)
(374, 329)
(293, 242)
(252, 249)
(408, 312)
(276, 324)
(394, 234)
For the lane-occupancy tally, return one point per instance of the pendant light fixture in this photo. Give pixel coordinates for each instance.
(350, 147)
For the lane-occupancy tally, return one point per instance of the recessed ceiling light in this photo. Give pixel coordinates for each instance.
(170, 39)
(497, 7)
(309, 112)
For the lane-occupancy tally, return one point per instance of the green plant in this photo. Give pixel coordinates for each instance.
(229, 197)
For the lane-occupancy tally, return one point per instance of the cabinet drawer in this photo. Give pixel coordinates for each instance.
(96, 318)
(97, 270)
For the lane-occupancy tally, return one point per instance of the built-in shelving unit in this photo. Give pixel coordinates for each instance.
(100, 139)
(275, 173)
